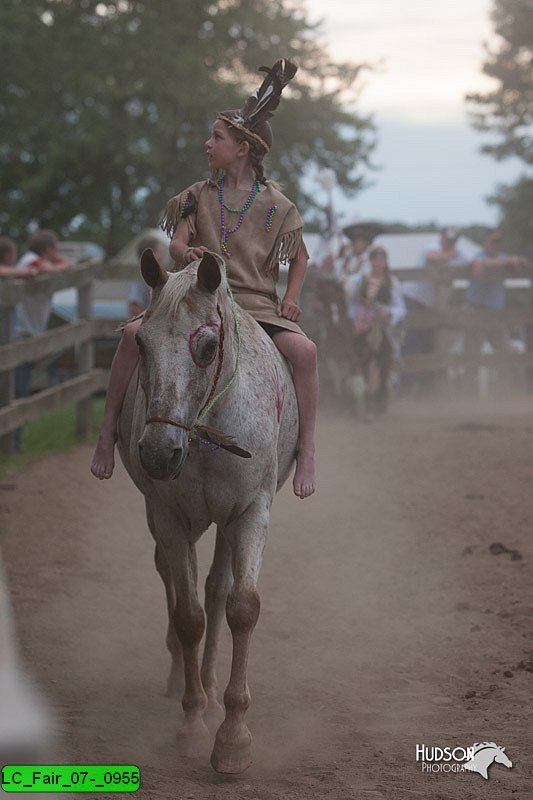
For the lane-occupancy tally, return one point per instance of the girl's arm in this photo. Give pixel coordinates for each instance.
(179, 248)
(289, 307)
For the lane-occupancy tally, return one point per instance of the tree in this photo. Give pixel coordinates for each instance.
(105, 106)
(507, 110)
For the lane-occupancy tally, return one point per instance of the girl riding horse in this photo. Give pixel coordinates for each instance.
(242, 216)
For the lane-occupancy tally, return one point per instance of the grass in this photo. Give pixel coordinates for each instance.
(52, 433)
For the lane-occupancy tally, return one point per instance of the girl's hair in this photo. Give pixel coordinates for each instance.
(387, 283)
(43, 240)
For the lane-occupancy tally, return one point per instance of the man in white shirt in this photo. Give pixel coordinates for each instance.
(354, 257)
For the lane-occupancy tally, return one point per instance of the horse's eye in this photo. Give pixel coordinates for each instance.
(203, 344)
(206, 352)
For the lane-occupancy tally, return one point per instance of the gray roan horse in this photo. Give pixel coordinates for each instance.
(212, 389)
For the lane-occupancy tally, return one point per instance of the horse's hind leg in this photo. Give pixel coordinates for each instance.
(175, 678)
(247, 537)
(217, 587)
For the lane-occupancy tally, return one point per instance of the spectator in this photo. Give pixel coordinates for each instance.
(31, 315)
(376, 308)
(8, 261)
(486, 290)
(139, 293)
(354, 256)
(420, 296)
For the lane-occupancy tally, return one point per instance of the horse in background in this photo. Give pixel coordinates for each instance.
(207, 374)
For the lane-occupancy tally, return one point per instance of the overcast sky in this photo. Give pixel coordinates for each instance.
(428, 55)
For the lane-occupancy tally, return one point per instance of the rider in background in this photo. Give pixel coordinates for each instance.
(244, 217)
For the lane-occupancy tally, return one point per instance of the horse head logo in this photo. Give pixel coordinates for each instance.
(484, 754)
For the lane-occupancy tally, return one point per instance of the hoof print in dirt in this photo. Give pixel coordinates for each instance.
(497, 548)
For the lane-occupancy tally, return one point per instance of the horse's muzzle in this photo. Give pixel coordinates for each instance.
(162, 457)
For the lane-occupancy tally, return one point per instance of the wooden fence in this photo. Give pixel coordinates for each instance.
(446, 316)
(449, 318)
(80, 334)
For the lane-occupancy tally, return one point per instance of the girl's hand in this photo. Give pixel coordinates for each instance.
(289, 309)
(193, 254)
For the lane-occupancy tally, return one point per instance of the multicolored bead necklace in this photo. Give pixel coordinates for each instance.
(270, 216)
(224, 231)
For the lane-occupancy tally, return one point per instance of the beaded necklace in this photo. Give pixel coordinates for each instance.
(224, 231)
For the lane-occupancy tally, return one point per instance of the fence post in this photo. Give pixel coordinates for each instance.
(85, 362)
(442, 282)
(7, 378)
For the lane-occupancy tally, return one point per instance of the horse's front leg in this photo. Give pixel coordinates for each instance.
(189, 622)
(175, 678)
(217, 587)
(247, 538)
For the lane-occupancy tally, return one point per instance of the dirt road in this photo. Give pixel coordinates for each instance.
(387, 619)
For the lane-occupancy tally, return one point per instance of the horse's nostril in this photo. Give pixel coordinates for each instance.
(175, 460)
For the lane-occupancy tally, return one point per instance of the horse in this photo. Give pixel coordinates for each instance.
(207, 373)
(485, 753)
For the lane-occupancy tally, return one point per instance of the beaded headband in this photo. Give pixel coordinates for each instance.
(238, 122)
(262, 103)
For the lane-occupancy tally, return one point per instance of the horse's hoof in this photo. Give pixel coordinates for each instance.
(194, 740)
(233, 757)
(214, 717)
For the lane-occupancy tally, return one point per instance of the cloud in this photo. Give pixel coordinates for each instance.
(431, 52)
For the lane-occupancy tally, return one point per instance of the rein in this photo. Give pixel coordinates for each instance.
(204, 433)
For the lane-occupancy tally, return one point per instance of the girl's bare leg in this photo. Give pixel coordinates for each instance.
(122, 368)
(301, 353)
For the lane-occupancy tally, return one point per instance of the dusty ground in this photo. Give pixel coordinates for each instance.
(386, 619)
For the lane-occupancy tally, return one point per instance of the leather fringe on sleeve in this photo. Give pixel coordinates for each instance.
(177, 208)
(285, 249)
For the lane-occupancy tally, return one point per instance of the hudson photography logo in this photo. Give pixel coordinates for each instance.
(476, 758)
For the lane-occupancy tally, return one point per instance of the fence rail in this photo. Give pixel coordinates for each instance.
(82, 334)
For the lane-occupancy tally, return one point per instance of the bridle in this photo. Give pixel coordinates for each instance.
(197, 430)
(220, 360)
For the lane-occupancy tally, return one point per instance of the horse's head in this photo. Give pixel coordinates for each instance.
(502, 758)
(180, 357)
(484, 754)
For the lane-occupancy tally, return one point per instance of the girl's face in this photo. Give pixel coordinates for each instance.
(223, 150)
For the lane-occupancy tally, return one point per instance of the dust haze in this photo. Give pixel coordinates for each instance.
(387, 620)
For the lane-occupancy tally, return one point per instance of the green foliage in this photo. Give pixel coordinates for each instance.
(517, 202)
(49, 434)
(507, 111)
(105, 106)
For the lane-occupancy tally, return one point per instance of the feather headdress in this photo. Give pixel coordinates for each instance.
(262, 103)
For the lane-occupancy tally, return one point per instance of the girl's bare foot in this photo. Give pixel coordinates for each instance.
(304, 476)
(103, 462)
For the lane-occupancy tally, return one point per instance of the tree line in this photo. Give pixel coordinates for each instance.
(105, 107)
(506, 112)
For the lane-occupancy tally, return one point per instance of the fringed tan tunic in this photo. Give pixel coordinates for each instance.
(256, 248)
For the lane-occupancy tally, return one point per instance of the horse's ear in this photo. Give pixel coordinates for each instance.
(151, 270)
(209, 276)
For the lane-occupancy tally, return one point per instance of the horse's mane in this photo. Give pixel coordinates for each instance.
(174, 291)
(482, 745)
